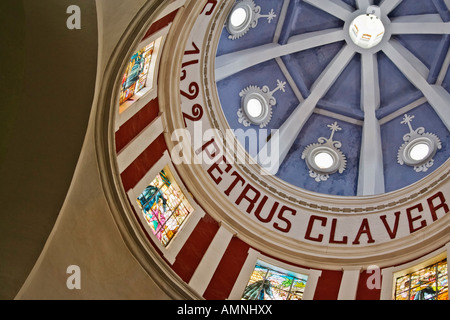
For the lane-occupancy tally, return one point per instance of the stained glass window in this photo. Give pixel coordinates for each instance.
(165, 207)
(430, 283)
(135, 77)
(266, 283)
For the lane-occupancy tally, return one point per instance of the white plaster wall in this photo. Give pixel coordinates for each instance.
(85, 233)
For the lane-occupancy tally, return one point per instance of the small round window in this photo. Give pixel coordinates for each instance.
(238, 17)
(324, 160)
(254, 108)
(419, 152)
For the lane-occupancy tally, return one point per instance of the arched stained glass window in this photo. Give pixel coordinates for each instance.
(430, 283)
(164, 206)
(272, 283)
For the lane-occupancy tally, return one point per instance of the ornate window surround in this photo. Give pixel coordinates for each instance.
(390, 275)
(266, 100)
(171, 251)
(327, 146)
(413, 139)
(253, 14)
(249, 265)
(150, 91)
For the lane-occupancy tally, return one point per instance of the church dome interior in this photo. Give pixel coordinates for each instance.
(230, 150)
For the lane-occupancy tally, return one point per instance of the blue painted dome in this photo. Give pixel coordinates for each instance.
(382, 100)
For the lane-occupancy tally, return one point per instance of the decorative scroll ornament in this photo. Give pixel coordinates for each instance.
(427, 144)
(257, 103)
(250, 15)
(325, 158)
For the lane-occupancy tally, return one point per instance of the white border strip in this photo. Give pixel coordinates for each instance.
(211, 259)
(289, 79)
(349, 283)
(141, 142)
(444, 70)
(281, 20)
(338, 116)
(174, 5)
(403, 110)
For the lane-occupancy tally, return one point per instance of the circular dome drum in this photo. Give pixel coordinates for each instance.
(287, 146)
(307, 73)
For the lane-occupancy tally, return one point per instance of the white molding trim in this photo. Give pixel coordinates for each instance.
(386, 284)
(171, 251)
(444, 70)
(281, 21)
(391, 274)
(447, 3)
(174, 5)
(211, 259)
(338, 116)
(149, 92)
(143, 97)
(349, 283)
(402, 111)
(244, 275)
(289, 79)
(249, 265)
(141, 142)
